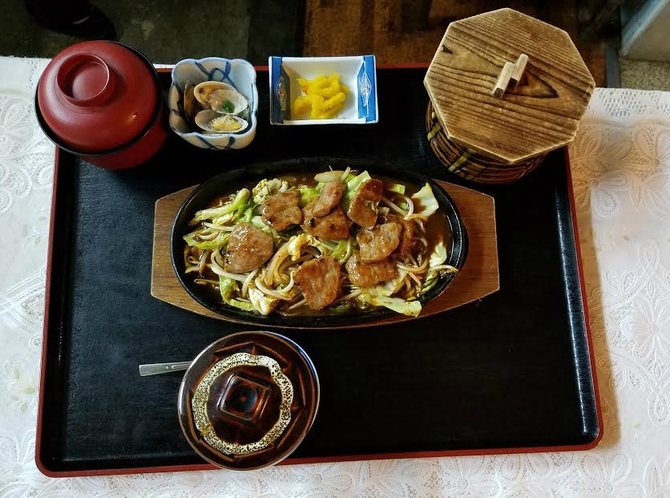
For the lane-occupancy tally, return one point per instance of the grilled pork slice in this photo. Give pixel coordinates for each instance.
(368, 274)
(248, 248)
(377, 244)
(328, 198)
(319, 281)
(407, 241)
(281, 210)
(369, 192)
(333, 226)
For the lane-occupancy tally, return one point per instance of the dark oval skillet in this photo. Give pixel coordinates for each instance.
(233, 180)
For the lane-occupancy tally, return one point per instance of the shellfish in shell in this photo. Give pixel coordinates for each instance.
(190, 105)
(214, 122)
(220, 97)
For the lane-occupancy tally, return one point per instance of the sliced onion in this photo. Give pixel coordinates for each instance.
(330, 176)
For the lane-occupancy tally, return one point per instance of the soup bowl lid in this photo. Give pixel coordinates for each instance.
(96, 96)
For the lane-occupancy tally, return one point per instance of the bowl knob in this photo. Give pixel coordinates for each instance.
(85, 80)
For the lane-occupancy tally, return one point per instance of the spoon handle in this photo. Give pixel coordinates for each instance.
(160, 368)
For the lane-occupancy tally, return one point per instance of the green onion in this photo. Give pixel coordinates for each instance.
(228, 106)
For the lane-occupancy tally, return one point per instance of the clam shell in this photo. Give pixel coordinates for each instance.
(191, 106)
(220, 97)
(214, 122)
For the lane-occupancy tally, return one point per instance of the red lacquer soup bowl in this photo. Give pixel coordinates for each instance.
(101, 101)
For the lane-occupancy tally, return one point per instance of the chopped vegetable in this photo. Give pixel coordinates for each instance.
(399, 305)
(218, 242)
(307, 195)
(298, 242)
(324, 98)
(227, 287)
(230, 207)
(353, 182)
(436, 266)
(329, 176)
(425, 203)
(263, 304)
(228, 106)
(266, 188)
(398, 188)
(438, 256)
(344, 250)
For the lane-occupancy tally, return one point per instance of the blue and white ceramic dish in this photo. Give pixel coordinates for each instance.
(236, 72)
(357, 72)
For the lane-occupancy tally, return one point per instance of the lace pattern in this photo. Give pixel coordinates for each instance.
(621, 173)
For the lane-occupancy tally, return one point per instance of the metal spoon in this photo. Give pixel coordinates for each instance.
(161, 368)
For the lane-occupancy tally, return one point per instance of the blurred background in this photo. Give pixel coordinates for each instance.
(624, 42)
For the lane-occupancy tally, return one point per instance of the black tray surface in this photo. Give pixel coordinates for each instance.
(509, 372)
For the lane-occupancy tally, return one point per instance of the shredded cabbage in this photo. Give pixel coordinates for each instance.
(398, 188)
(217, 242)
(298, 242)
(436, 267)
(262, 303)
(227, 286)
(438, 256)
(230, 207)
(409, 308)
(307, 195)
(258, 222)
(223, 220)
(265, 188)
(247, 214)
(344, 250)
(425, 203)
(353, 182)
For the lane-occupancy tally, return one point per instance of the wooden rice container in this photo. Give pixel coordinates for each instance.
(505, 90)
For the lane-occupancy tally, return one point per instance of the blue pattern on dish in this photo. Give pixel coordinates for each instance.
(217, 74)
(368, 87)
(275, 98)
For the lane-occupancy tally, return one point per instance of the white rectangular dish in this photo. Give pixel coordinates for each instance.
(358, 73)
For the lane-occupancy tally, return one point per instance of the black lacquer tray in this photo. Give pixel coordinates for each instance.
(511, 373)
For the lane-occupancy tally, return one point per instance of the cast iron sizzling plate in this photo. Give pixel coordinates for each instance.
(231, 181)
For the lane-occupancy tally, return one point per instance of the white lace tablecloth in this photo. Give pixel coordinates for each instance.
(621, 174)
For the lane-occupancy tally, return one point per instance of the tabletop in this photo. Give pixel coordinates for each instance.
(620, 164)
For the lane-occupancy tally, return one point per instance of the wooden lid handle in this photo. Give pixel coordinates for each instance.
(511, 73)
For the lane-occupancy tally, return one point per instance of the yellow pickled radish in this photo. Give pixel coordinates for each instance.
(324, 97)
